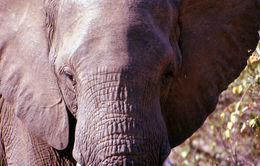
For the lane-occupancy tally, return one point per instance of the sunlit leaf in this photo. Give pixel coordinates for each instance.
(186, 162)
(233, 118)
(222, 115)
(229, 125)
(234, 90)
(213, 145)
(243, 127)
(237, 89)
(227, 134)
(252, 123)
(244, 109)
(184, 153)
(258, 50)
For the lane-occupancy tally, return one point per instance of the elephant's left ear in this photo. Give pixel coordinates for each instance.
(216, 39)
(27, 81)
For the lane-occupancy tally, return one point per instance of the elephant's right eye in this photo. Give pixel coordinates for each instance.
(66, 71)
(70, 77)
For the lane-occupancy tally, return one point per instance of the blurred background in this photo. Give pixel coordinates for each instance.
(231, 134)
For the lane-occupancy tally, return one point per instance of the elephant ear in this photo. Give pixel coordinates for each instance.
(27, 81)
(216, 39)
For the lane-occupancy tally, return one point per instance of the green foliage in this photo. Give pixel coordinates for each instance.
(231, 135)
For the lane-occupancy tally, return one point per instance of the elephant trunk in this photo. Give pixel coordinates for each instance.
(120, 122)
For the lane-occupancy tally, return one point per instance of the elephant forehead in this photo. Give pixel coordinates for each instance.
(82, 25)
(96, 13)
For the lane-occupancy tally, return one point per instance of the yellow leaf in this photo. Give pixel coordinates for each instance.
(234, 89)
(258, 50)
(237, 89)
(213, 145)
(233, 118)
(222, 115)
(255, 56)
(244, 109)
(243, 128)
(240, 89)
(229, 125)
(184, 154)
(252, 123)
(227, 134)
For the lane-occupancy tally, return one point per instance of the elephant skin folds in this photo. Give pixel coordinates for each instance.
(114, 82)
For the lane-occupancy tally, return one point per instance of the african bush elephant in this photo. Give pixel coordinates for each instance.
(114, 82)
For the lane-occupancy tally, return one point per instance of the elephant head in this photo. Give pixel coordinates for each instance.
(139, 76)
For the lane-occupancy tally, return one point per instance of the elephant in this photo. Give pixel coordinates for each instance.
(114, 82)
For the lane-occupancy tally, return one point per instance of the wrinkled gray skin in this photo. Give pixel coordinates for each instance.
(114, 82)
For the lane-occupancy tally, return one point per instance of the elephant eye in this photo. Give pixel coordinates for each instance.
(67, 72)
(70, 77)
(169, 74)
